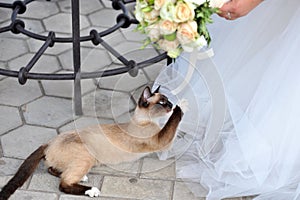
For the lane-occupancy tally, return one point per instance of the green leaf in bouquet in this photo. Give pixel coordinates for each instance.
(203, 17)
(174, 53)
(147, 41)
(170, 37)
(140, 28)
(151, 2)
(147, 9)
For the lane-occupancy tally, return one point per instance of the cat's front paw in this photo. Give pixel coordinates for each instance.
(177, 111)
(93, 192)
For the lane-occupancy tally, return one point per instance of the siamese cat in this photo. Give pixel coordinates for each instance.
(71, 155)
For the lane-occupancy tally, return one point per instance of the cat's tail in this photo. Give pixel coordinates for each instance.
(23, 173)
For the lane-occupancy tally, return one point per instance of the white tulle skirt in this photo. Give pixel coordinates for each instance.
(241, 135)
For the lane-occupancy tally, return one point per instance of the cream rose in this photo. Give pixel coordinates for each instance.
(168, 45)
(153, 32)
(158, 4)
(183, 12)
(167, 27)
(187, 32)
(151, 16)
(171, 47)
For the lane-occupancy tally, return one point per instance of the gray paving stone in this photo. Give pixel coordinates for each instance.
(158, 169)
(33, 25)
(123, 82)
(64, 88)
(3, 64)
(133, 51)
(132, 35)
(48, 111)
(5, 14)
(12, 93)
(152, 71)
(9, 166)
(107, 4)
(46, 63)
(107, 104)
(40, 9)
(112, 39)
(4, 179)
(86, 7)
(181, 191)
(33, 195)
(123, 169)
(11, 48)
(92, 59)
(35, 45)
(136, 188)
(49, 183)
(44, 182)
(21, 142)
(109, 20)
(65, 25)
(11, 118)
(73, 197)
(9, 34)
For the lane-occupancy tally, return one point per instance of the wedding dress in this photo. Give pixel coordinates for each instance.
(241, 135)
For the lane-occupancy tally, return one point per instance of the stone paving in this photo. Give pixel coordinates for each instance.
(32, 114)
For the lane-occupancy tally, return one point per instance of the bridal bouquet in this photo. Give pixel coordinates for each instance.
(176, 25)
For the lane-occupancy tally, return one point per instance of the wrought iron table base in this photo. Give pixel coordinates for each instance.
(123, 20)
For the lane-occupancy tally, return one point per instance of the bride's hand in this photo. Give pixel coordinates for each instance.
(237, 8)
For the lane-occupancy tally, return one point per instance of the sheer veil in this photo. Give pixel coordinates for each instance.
(240, 136)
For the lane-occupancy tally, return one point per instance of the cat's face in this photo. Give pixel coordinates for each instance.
(154, 104)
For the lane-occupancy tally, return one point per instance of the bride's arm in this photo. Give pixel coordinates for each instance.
(237, 8)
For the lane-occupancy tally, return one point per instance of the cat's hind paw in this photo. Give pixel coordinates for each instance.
(184, 105)
(93, 192)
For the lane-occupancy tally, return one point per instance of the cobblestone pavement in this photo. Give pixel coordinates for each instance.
(32, 114)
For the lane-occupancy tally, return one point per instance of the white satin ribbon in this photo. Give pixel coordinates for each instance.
(195, 55)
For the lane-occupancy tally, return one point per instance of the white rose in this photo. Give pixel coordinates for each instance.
(183, 12)
(198, 43)
(139, 14)
(167, 11)
(153, 32)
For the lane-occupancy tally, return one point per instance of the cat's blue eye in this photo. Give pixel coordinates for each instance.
(162, 102)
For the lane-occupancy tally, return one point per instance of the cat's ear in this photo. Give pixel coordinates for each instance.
(143, 101)
(157, 90)
(146, 93)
